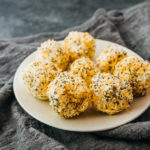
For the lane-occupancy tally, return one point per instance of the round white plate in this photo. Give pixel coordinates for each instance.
(88, 121)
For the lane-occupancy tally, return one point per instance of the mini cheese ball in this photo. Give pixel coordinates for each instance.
(111, 94)
(85, 68)
(68, 95)
(37, 77)
(137, 72)
(80, 44)
(109, 57)
(53, 51)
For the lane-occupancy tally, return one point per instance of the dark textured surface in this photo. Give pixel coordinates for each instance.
(27, 17)
(20, 131)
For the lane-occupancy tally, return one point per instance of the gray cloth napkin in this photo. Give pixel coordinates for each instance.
(130, 27)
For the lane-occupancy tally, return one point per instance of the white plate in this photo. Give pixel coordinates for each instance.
(86, 122)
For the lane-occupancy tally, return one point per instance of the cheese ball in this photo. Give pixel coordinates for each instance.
(37, 77)
(109, 57)
(80, 44)
(137, 72)
(68, 95)
(111, 94)
(53, 51)
(85, 68)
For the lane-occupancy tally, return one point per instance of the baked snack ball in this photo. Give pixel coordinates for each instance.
(37, 77)
(53, 51)
(109, 57)
(79, 44)
(111, 94)
(137, 72)
(85, 68)
(68, 95)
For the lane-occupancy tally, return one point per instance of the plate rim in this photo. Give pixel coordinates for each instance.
(64, 128)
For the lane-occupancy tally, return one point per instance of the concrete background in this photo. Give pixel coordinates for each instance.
(26, 17)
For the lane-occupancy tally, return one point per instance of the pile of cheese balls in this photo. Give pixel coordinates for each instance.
(65, 74)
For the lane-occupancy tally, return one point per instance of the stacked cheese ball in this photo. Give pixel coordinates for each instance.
(53, 51)
(137, 72)
(38, 76)
(47, 79)
(69, 95)
(80, 44)
(109, 57)
(111, 94)
(84, 67)
(65, 74)
(128, 74)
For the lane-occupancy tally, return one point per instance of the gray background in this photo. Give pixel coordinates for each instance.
(27, 17)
